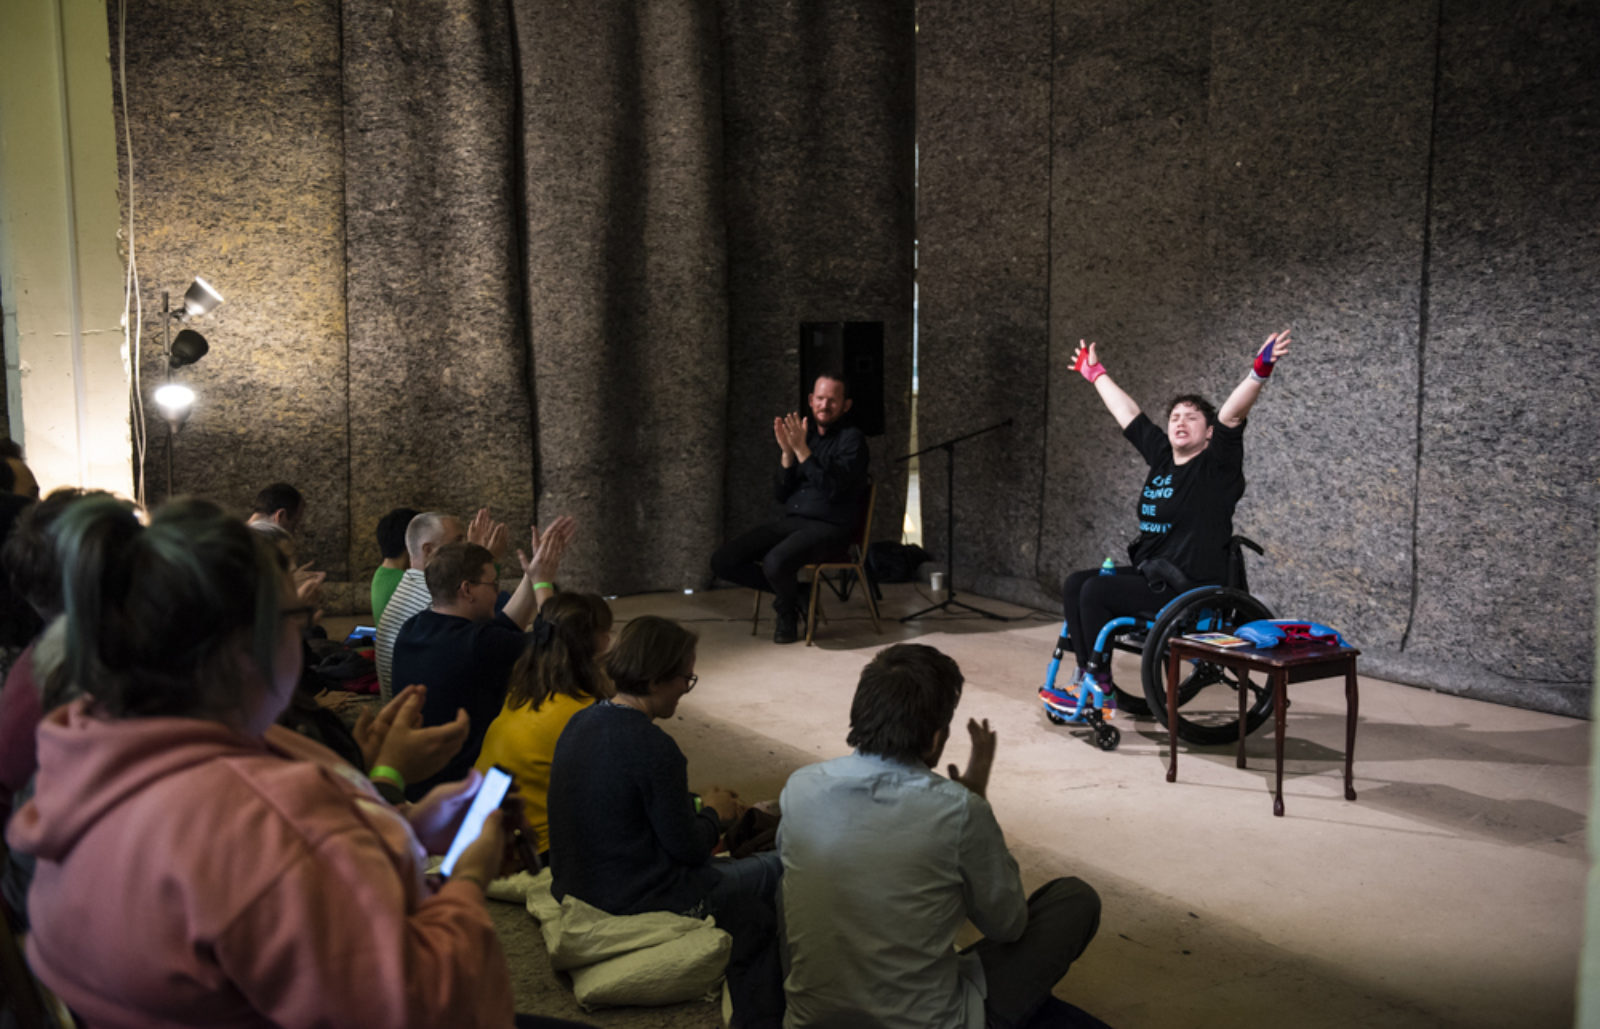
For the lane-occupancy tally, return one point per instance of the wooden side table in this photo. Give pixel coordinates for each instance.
(1282, 666)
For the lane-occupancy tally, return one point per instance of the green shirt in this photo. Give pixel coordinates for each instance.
(384, 580)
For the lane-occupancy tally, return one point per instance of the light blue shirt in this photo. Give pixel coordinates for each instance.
(882, 864)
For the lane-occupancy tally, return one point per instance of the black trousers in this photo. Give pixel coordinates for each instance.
(1063, 916)
(770, 556)
(1090, 600)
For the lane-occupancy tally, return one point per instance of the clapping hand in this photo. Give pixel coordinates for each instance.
(548, 547)
(976, 777)
(488, 533)
(396, 737)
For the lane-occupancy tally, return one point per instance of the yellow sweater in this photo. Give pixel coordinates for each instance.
(523, 741)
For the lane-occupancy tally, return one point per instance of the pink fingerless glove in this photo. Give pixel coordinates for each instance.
(1264, 361)
(1087, 370)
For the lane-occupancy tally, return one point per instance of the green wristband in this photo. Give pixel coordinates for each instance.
(388, 774)
(544, 586)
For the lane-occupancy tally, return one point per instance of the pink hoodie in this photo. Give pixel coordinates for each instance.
(190, 875)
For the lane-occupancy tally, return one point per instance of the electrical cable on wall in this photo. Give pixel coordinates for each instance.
(132, 332)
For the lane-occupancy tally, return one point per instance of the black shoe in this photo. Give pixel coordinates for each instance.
(788, 628)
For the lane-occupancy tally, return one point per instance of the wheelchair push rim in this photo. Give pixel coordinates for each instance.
(1208, 694)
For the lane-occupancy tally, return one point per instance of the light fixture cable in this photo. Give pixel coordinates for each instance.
(132, 331)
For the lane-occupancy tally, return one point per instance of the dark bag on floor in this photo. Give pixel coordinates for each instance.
(895, 562)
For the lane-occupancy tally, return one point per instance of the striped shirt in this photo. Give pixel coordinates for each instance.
(410, 598)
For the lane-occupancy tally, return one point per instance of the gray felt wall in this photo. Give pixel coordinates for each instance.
(1408, 186)
(547, 256)
(553, 256)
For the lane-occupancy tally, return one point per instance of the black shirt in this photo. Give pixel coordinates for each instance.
(464, 664)
(1186, 511)
(828, 485)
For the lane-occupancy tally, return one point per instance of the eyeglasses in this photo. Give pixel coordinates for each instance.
(691, 679)
(492, 582)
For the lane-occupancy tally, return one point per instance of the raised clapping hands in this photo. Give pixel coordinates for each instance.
(790, 431)
(976, 777)
(488, 533)
(395, 736)
(545, 564)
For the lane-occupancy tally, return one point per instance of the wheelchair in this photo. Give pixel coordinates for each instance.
(1209, 692)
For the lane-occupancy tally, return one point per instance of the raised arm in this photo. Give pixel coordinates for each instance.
(539, 571)
(1086, 363)
(1237, 407)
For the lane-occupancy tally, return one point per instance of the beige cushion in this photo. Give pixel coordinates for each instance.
(614, 960)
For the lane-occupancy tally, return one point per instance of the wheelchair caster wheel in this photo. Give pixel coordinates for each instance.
(1107, 737)
(1054, 716)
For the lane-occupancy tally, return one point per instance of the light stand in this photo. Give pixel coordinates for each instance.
(175, 399)
(949, 448)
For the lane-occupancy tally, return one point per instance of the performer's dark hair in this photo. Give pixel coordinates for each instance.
(1197, 402)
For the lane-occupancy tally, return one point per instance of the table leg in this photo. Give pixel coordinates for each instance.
(1280, 716)
(1352, 704)
(1244, 677)
(1172, 712)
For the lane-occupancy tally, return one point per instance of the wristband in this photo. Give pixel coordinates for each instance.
(388, 774)
(1089, 371)
(543, 586)
(1262, 369)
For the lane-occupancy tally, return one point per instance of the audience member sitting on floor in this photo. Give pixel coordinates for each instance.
(256, 879)
(307, 583)
(33, 569)
(461, 648)
(19, 623)
(884, 861)
(427, 532)
(395, 559)
(558, 675)
(626, 835)
(411, 752)
(15, 476)
(281, 504)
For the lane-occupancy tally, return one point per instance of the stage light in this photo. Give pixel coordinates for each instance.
(188, 346)
(176, 401)
(200, 299)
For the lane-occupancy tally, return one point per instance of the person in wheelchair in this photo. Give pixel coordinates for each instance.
(1185, 508)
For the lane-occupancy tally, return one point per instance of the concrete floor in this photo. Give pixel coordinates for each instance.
(1449, 894)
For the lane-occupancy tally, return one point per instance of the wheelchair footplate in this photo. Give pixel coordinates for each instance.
(1087, 708)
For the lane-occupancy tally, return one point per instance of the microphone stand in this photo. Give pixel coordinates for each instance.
(949, 601)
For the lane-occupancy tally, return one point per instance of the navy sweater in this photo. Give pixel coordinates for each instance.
(624, 834)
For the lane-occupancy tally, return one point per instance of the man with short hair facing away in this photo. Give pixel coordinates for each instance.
(281, 504)
(821, 483)
(884, 860)
(426, 533)
(395, 558)
(461, 648)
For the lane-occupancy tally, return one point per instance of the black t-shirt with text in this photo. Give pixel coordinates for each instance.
(1186, 511)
